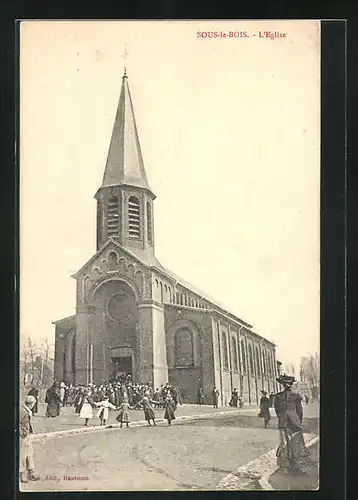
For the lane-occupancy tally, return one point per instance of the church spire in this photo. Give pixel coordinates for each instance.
(125, 162)
(125, 200)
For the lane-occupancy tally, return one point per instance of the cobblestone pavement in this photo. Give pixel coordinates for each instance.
(186, 456)
(193, 455)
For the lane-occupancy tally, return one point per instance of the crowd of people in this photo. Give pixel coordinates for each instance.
(123, 396)
(95, 400)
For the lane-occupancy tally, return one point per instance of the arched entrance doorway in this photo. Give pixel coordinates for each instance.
(116, 329)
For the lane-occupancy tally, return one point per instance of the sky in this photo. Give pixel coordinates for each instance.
(230, 136)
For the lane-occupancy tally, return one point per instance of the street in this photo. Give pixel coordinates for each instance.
(187, 456)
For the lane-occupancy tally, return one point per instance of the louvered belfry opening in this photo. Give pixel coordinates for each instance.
(133, 217)
(112, 217)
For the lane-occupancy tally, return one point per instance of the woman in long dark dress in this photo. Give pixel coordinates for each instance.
(292, 453)
(34, 392)
(53, 400)
(234, 398)
(265, 408)
(169, 406)
(146, 404)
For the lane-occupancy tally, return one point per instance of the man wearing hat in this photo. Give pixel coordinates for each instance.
(265, 408)
(292, 453)
(26, 451)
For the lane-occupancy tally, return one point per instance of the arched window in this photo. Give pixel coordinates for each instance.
(243, 354)
(258, 362)
(184, 355)
(112, 260)
(178, 298)
(161, 292)
(149, 223)
(225, 351)
(112, 217)
(133, 217)
(170, 294)
(181, 299)
(234, 355)
(251, 361)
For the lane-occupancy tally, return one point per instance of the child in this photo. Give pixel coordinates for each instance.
(148, 410)
(103, 409)
(169, 406)
(86, 406)
(123, 415)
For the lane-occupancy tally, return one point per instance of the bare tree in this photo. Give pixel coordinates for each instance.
(309, 369)
(31, 345)
(289, 369)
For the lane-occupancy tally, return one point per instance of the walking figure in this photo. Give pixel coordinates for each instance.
(169, 406)
(265, 408)
(215, 394)
(292, 453)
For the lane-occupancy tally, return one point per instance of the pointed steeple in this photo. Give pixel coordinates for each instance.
(125, 200)
(125, 162)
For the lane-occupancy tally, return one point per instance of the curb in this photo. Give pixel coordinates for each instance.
(264, 480)
(140, 423)
(258, 470)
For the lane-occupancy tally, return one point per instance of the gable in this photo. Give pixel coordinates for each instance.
(101, 261)
(110, 263)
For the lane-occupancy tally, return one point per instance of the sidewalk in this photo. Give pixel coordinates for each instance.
(287, 482)
(68, 420)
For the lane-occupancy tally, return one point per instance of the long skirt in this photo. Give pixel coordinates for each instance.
(53, 409)
(292, 453)
(123, 417)
(149, 414)
(86, 411)
(169, 414)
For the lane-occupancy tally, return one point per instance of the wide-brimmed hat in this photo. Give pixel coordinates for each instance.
(286, 379)
(263, 392)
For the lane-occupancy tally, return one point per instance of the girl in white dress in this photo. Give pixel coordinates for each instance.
(103, 409)
(87, 407)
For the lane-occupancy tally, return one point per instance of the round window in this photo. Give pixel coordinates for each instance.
(121, 308)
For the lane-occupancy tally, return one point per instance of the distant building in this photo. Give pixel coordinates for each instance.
(135, 316)
(303, 388)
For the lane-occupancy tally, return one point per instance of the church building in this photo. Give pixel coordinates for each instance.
(135, 316)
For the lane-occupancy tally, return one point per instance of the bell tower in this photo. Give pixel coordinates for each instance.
(125, 200)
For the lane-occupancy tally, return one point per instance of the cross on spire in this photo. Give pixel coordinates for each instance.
(125, 55)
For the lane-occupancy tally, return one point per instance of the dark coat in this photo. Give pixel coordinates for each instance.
(215, 394)
(169, 410)
(53, 401)
(265, 408)
(288, 408)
